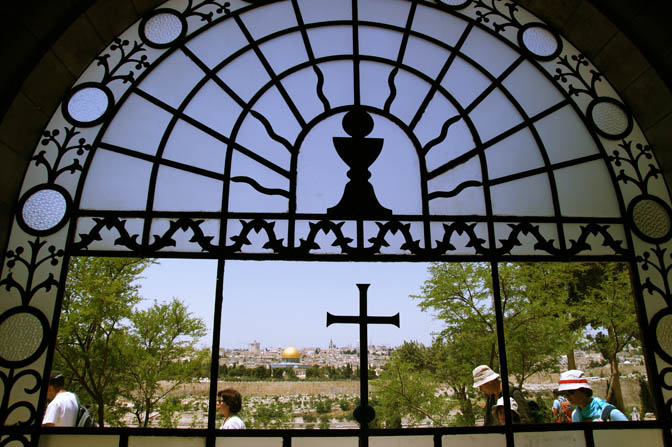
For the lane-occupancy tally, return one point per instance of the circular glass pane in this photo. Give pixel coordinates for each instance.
(88, 104)
(163, 28)
(664, 334)
(651, 219)
(44, 210)
(610, 118)
(21, 336)
(540, 41)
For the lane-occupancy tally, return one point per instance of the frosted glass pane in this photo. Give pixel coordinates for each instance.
(483, 440)
(411, 90)
(108, 237)
(245, 75)
(165, 441)
(139, 125)
(565, 136)
(443, 27)
(459, 140)
(244, 198)
(302, 88)
(469, 200)
(126, 177)
(384, 11)
(324, 10)
(461, 242)
(172, 79)
(325, 241)
(395, 241)
(322, 174)
(78, 441)
(586, 190)
(183, 242)
(276, 110)
(488, 52)
(269, 19)
(528, 197)
(190, 146)
(255, 241)
(518, 153)
(214, 108)
(285, 52)
(395, 175)
(438, 111)
(373, 79)
(401, 441)
(325, 442)
(551, 439)
(548, 232)
(574, 231)
(532, 89)
(253, 136)
(494, 115)
(229, 39)
(623, 438)
(248, 442)
(178, 190)
(242, 165)
(331, 41)
(425, 57)
(379, 42)
(338, 83)
(464, 81)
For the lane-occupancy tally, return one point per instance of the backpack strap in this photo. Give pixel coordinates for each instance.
(606, 412)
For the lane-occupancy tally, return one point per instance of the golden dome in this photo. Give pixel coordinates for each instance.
(291, 353)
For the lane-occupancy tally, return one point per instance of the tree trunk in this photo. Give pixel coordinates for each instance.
(571, 360)
(614, 393)
(101, 413)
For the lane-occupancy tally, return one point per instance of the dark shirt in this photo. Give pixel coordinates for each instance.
(517, 395)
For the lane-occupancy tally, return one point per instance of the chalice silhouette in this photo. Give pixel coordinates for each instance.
(358, 152)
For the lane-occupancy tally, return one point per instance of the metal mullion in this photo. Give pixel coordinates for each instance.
(162, 161)
(213, 133)
(547, 170)
(274, 79)
(214, 366)
(501, 347)
(400, 57)
(446, 66)
(355, 53)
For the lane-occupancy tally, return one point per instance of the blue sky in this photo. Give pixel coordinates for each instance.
(285, 303)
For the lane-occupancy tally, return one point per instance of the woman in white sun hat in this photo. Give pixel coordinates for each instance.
(487, 381)
(499, 412)
(574, 386)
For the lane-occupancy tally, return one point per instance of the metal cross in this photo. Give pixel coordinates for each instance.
(363, 413)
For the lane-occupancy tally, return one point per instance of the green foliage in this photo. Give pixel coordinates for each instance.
(324, 422)
(323, 406)
(160, 355)
(170, 409)
(645, 397)
(100, 294)
(108, 349)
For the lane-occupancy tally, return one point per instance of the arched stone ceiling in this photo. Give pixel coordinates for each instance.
(46, 45)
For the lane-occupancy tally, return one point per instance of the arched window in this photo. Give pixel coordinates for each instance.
(323, 130)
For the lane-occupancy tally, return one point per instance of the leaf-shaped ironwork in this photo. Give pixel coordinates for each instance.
(63, 147)
(126, 57)
(632, 158)
(16, 258)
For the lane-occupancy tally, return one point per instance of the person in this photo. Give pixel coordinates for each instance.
(562, 410)
(486, 380)
(635, 416)
(499, 412)
(229, 402)
(574, 386)
(63, 408)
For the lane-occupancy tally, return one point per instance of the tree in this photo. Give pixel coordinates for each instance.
(614, 322)
(160, 355)
(99, 296)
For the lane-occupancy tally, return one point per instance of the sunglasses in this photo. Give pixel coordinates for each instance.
(569, 392)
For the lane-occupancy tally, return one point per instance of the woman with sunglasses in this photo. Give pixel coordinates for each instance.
(229, 402)
(574, 386)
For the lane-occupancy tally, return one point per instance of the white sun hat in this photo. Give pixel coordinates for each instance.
(572, 380)
(483, 374)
